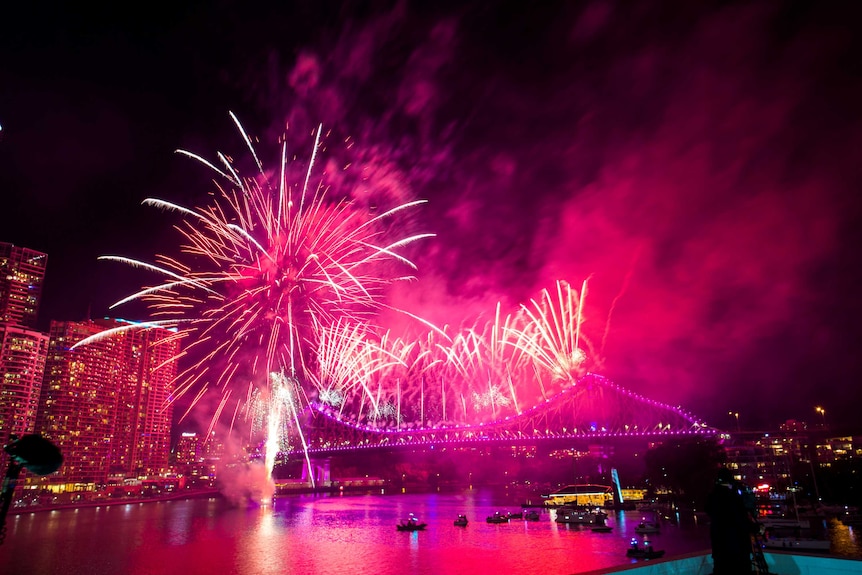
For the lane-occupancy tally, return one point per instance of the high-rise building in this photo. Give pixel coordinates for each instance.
(22, 363)
(105, 404)
(22, 349)
(22, 272)
(196, 460)
(189, 451)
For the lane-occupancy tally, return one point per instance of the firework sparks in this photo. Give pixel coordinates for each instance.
(514, 360)
(275, 291)
(552, 335)
(274, 278)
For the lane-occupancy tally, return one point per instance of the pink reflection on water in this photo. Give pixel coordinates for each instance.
(320, 535)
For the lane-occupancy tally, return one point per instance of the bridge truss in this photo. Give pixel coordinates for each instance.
(594, 407)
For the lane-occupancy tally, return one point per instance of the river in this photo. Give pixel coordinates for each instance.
(305, 534)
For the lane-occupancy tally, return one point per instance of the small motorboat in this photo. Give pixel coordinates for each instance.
(645, 552)
(412, 524)
(647, 527)
(498, 517)
(532, 515)
(461, 521)
(602, 529)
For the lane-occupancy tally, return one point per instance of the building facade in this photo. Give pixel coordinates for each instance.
(22, 363)
(105, 404)
(22, 348)
(22, 272)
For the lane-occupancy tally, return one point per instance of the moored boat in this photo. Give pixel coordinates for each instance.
(797, 544)
(783, 523)
(411, 524)
(583, 494)
(532, 515)
(645, 552)
(461, 521)
(647, 527)
(498, 517)
(576, 516)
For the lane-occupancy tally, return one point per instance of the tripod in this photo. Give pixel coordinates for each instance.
(758, 562)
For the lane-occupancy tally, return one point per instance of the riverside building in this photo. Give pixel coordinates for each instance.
(22, 348)
(105, 404)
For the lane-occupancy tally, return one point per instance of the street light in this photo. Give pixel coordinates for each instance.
(822, 413)
(736, 415)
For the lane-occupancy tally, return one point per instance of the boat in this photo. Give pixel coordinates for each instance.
(516, 514)
(647, 527)
(797, 544)
(602, 529)
(498, 517)
(793, 539)
(461, 521)
(411, 524)
(645, 552)
(532, 515)
(783, 523)
(576, 516)
(583, 494)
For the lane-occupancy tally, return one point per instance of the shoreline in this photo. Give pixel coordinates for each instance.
(196, 494)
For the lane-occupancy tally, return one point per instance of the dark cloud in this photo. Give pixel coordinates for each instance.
(696, 161)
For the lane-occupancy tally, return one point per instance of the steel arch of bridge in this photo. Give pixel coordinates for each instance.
(595, 407)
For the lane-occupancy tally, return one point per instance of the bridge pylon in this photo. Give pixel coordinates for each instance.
(320, 467)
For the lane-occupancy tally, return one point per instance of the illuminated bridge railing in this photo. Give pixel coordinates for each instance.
(594, 408)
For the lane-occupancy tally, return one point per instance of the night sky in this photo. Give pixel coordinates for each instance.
(699, 162)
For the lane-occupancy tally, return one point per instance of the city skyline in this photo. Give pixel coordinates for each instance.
(705, 187)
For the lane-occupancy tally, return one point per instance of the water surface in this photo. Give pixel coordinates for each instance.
(322, 535)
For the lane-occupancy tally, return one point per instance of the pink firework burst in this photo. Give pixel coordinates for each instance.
(270, 276)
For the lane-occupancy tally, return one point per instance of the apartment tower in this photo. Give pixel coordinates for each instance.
(105, 404)
(22, 348)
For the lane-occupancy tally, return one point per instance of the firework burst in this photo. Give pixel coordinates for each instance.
(274, 294)
(274, 278)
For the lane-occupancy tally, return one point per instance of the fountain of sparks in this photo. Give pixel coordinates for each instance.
(275, 411)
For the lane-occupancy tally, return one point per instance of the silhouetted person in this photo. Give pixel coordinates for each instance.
(730, 527)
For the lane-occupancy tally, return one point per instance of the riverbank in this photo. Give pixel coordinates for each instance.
(108, 501)
(283, 487)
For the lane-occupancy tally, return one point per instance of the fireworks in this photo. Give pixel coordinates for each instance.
(273, 278)
(274, 293)
(486, 371)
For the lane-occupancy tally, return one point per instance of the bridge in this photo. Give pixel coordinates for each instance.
(593, 409)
